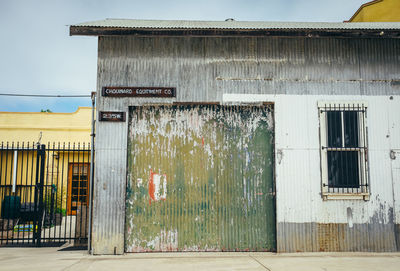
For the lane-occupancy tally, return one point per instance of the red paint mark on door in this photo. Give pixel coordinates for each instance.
(157, 187)
(151, 186)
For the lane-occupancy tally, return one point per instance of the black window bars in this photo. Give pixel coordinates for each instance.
(344, 148)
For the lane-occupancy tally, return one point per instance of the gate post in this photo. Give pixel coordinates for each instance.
(37, 226)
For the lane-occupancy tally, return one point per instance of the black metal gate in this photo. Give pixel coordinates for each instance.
(44, 193)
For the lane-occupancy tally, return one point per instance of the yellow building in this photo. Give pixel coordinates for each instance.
(378, 11)
(46, 127)
(51, 150)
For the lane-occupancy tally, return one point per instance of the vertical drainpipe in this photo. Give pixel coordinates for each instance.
(92, 135)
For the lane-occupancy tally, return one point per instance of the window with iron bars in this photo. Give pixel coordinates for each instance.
(344, 150)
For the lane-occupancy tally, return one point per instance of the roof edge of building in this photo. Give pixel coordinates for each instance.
(122, 27)
(49, 113)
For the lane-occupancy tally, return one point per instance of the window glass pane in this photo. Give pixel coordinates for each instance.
(350, 129)
(343, 169)
(82, 193)
(334, 129)
(75, 170)
(85, 169)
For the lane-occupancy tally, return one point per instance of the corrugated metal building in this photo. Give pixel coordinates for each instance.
(246, 136)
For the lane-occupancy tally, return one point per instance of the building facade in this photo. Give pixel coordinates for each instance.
(44, 175)
(46, 127)
(246, 136)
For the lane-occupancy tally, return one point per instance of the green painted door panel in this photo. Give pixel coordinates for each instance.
(200, 178)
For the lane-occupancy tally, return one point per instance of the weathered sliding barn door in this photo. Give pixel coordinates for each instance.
(200, 178)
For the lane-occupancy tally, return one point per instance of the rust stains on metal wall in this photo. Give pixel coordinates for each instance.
(324, 237)
(329, 236)
(200, 178)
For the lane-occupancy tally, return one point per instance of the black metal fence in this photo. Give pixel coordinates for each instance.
(44, 193)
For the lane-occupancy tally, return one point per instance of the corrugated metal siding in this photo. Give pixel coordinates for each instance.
(396, 193)
(326, 225)
(336, 237)
(254, 65)
(109, 183)
(200, 178)
(109, 202)
(206, 69)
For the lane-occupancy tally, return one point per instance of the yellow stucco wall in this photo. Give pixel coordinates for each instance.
(54, 127)
(21, 127)
(378, 11)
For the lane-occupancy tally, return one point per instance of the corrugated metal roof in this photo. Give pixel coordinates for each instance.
(235, 25)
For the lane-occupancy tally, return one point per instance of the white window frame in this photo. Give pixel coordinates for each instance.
(344, 193)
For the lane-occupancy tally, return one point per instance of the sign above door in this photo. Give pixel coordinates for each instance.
(146, 92)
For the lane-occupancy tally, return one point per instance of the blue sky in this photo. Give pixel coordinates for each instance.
(37, 55)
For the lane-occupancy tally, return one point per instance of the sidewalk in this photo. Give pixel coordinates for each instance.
(53, 259)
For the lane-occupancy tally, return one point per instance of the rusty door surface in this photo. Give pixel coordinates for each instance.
(200, 178)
